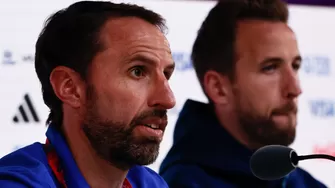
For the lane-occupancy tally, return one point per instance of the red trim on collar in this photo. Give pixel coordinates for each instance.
(56, 168)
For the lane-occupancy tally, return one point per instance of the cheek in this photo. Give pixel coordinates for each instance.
(121, 102)
(257, 98)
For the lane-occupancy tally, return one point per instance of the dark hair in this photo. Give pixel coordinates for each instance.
(214, 46)
(71, 38)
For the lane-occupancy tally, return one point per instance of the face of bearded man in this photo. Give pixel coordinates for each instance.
(265, 86)
(122, 94)
(116, 141)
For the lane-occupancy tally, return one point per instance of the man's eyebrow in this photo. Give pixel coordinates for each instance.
(146, 59)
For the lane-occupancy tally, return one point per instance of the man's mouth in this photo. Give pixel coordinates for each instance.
(152, 130)
(154, 123)
(153, 126)
(284, 113)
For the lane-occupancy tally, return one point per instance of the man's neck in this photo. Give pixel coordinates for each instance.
(96, 171)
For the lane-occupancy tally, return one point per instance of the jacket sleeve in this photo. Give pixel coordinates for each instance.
(15, 177)
(12, 184)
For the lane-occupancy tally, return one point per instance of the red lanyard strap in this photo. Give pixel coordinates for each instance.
(126, 184)
(54, 163)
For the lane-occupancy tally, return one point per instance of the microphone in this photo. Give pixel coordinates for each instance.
(273, 162)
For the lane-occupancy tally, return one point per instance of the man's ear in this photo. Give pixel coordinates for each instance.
(217, 87)
(68, 86)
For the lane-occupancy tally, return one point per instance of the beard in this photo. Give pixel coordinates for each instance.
(114, 141)
(262, 130)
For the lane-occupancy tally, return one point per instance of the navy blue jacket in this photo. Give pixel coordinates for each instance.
(205, 155)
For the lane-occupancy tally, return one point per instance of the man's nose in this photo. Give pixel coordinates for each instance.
(292, 88)
(162, 96)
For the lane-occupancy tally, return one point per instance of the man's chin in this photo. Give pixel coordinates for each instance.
(145, 154)
(284, 122)
(275, 134)
(284, 136)
(135, 154)
(145, 140)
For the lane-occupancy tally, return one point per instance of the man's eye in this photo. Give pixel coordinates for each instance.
(296, 66)
(137, 72)
(269, 68)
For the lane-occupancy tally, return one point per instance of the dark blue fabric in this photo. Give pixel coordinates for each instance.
(28, 167)
(204, 155)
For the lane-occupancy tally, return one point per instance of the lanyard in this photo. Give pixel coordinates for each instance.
(54, 163)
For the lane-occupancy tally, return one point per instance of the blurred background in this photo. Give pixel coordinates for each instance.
(23, 113)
